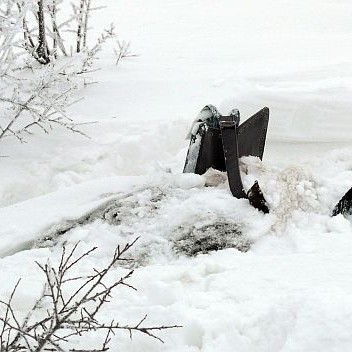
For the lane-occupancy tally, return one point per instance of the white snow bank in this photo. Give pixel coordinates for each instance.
(21, 223)
(24, 222)
(291, 56)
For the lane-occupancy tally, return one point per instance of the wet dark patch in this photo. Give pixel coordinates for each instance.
(210, 237)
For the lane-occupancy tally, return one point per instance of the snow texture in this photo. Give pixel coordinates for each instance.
(234, 278)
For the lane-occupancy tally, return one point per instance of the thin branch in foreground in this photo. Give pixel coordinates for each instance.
(57, 317)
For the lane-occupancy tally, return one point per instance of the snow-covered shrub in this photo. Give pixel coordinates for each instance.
(36, 87)
(36, 99)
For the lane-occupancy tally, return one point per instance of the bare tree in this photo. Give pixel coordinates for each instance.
(69, 316)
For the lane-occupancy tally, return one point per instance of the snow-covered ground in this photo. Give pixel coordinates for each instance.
(292, 290)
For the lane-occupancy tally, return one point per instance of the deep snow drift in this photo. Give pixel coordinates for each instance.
(291, 289)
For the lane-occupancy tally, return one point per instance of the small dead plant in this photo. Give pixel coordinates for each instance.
(58, 317)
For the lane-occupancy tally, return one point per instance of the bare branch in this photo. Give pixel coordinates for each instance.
(72, 316)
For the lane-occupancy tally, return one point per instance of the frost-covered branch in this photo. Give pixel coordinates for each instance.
(122, 51)
(91, 54)
(39, 101)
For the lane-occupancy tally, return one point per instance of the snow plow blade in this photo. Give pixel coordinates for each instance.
(219, 141)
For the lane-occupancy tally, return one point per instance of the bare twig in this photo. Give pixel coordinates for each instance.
(70, 316)
(123, 51)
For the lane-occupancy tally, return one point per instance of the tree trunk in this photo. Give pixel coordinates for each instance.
(42, 49)
(86, 17)
(80, 26)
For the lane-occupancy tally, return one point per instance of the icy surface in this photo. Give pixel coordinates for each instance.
(290, 287)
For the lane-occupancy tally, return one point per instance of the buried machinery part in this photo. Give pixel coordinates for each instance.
(344, 206)
(219, 141)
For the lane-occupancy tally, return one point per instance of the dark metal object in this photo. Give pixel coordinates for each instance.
(252, 134)
(219, 141)
(344, 206)
(228, 128)
(256, 198)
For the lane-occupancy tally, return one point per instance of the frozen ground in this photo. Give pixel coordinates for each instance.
(292, 290)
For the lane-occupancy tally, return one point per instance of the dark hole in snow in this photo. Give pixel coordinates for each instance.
(210, 237)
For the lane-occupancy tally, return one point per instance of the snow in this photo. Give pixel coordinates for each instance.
(292, 290)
